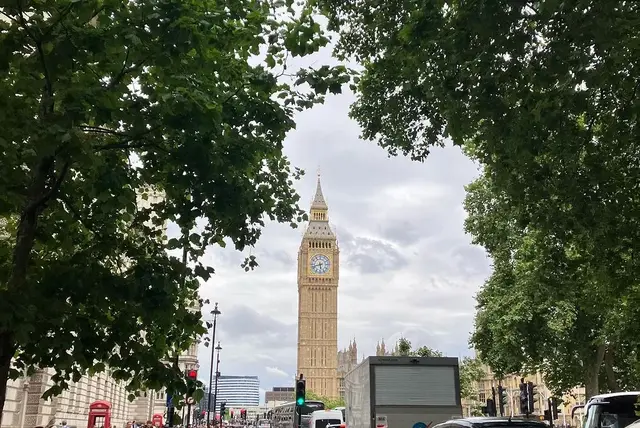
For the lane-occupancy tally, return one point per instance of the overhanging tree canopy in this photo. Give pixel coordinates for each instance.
(544, 95)
(101, 101)
(544, 91)
(544, 306)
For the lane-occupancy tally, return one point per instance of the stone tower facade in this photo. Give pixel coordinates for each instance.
(318, 273)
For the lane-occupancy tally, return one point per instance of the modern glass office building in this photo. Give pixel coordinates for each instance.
(237, 392)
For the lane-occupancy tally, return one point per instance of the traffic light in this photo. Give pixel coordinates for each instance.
(231, 413)
(531, 396)
(192, 376)
(556, 403)
(491, 407)
(243, 414)
(524, 402)
(223, 409)
(502, 399)
(300, 392)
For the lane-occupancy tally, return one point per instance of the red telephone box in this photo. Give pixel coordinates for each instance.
(99, 415)
(157, 420)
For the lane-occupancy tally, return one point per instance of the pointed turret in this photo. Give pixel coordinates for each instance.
(381, 349)
(318, 202)
(319, 217)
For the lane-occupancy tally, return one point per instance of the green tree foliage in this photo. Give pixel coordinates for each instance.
(404, 348)
(471, 372)
(103, 101)
(544, 96)
(545, 307)
(329, 403)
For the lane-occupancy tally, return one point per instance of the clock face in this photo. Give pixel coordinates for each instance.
(320, 264)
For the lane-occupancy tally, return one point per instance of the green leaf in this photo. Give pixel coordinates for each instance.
(270, 60)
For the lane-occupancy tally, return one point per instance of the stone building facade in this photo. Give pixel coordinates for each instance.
(381, 349)
(279, 395)
(25, 408)
(318, 274)
(347, 361)
(483, 390)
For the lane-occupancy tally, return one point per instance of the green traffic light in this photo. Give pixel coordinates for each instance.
(300, 401)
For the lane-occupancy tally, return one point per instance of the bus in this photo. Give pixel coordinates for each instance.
(284, 416)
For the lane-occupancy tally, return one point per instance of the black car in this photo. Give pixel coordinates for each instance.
(492, 422)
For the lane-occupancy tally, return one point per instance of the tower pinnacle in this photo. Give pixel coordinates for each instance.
(318, 202)
(319, 217)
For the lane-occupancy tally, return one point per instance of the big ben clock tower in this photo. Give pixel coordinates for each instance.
(318, 271)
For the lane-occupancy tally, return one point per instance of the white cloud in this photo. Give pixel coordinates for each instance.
(276, 371)
(407, 267)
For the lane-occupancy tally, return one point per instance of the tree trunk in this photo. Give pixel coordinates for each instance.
(612, 382)
(25, 236)
(592, 371)
(38, 197)
(7, 348)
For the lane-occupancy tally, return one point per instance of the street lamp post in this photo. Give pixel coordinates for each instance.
(215, 392)
(215, 312)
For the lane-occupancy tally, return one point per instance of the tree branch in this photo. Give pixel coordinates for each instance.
(122, 72)
(101, 130)
(129, 145)
(61, 16)
(47, 99)
(71, 38)
(33, 206)
(125, 70)
(129, 141)
(237, 91)
(76, 214)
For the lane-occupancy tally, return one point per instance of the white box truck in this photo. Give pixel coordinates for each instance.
(402, 392)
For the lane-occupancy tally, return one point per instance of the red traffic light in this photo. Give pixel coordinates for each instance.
(192, 374)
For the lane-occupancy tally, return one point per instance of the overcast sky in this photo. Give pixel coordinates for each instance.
(407, 267)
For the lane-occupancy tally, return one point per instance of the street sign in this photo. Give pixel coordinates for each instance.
(169, 400)
(381, 421)
(190, 400)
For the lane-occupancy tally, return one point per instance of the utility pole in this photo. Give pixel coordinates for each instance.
(215, 391)
(215, 312)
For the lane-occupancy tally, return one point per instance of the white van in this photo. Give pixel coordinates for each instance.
(342, 409)
(322, 418)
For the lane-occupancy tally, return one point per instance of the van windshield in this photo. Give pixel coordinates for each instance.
(613, 412)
